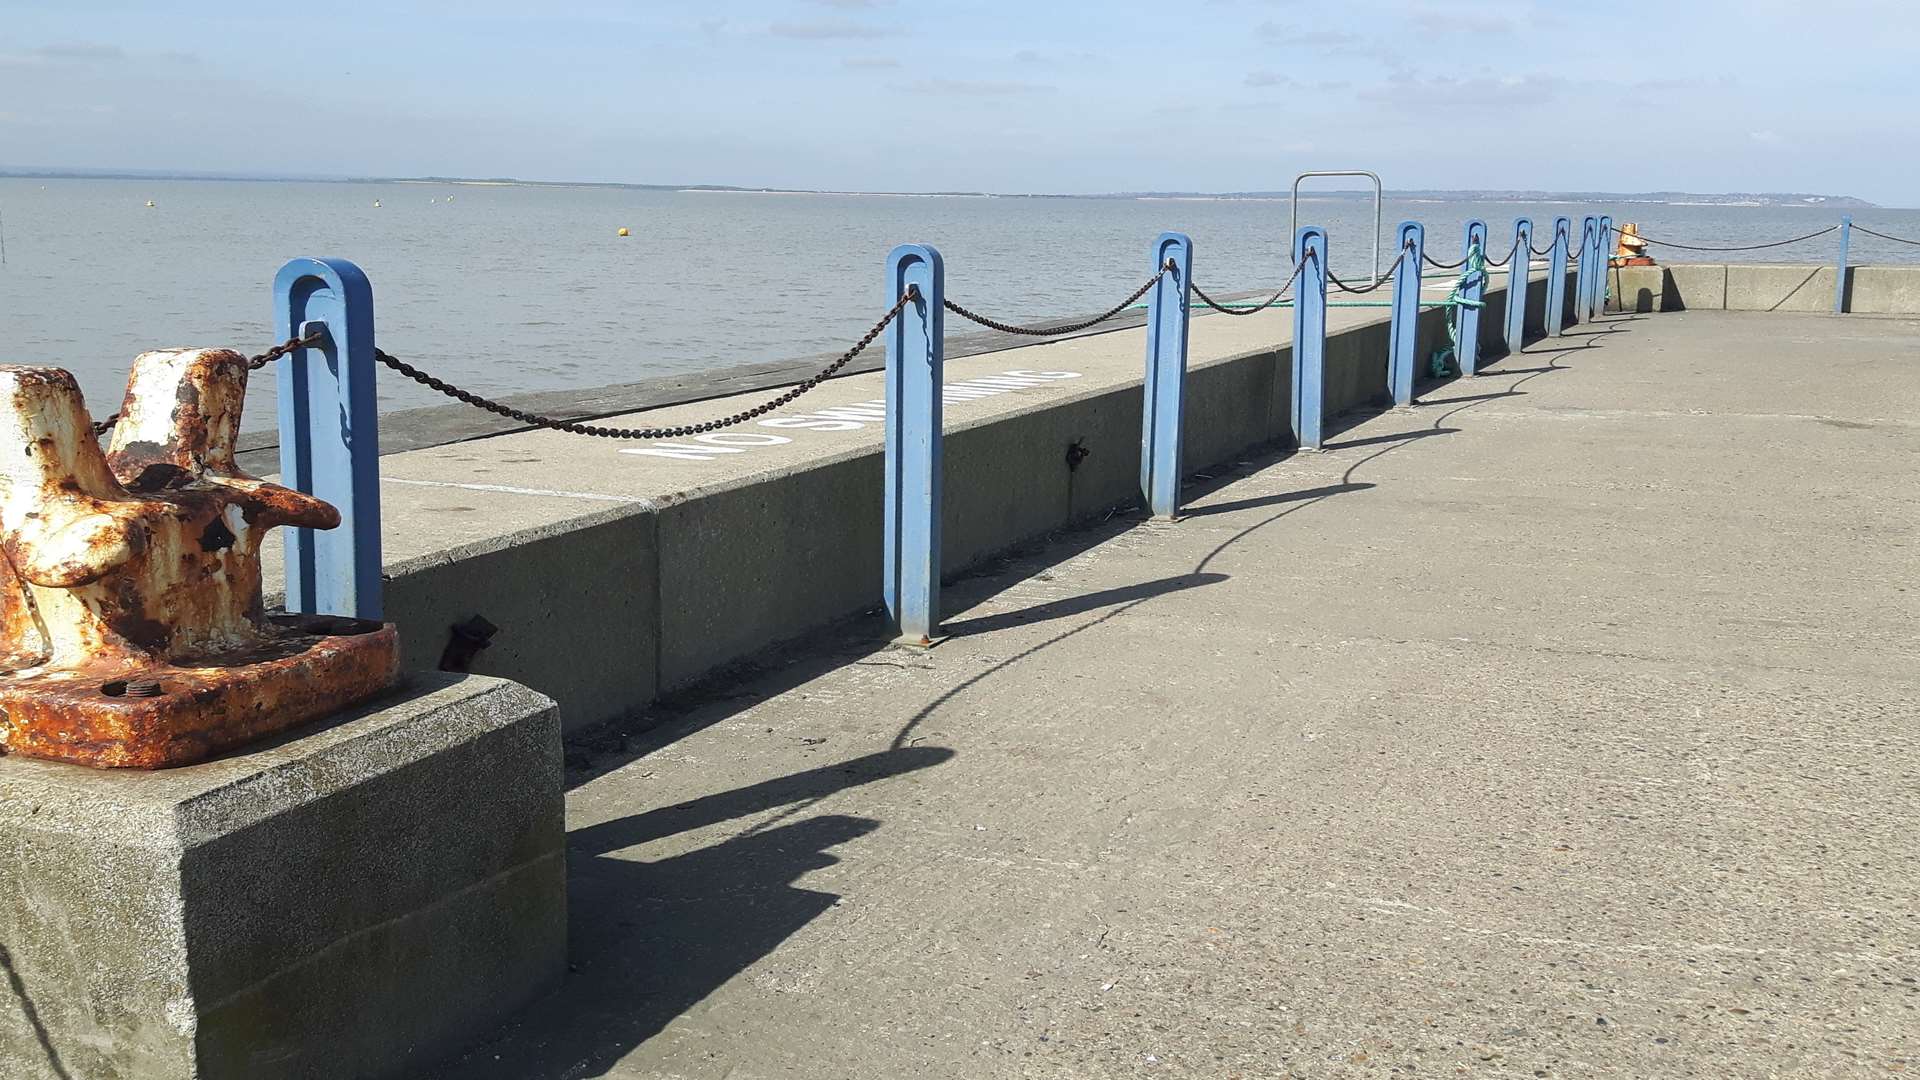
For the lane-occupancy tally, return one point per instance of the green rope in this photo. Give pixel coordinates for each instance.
(1441, 364)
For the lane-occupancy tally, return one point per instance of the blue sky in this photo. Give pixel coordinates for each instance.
(994, 95)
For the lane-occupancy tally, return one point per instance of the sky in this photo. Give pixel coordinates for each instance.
(981, 95)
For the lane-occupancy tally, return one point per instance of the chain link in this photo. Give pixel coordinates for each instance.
(1056, 331)
(1270, 302)
(1377, 282)
(1508, 257)
(1743, 247)
(912, 295)
(254, 363)
(1884, 236)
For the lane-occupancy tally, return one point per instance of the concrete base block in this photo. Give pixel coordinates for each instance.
(1701, 287)
(1779, 288)
(1883, 290)
(355, 902)
(1639, 289)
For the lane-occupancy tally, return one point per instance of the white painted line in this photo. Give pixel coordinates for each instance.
(502, 489)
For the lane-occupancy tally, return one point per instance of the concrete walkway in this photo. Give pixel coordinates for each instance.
(1562, 726)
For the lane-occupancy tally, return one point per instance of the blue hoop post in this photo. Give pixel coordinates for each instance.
(1161, 444)
(1840, 268)
(915, 361)
(1309, 335)
(330, 435)
(1405, 333)
(1556, 316)
(1473, 293)
(1600, 265)
(1519, 274)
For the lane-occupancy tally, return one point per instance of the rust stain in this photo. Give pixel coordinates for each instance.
(142, 565)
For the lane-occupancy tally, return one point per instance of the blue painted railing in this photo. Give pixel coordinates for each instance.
(329, 421)
(1309, 336)
(1161, 437)
(916, 358)
(329, 434)
(1404, 335)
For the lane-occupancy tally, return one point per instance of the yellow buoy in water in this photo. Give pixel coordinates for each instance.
(622, 232)
(376, 203)
(149, 204)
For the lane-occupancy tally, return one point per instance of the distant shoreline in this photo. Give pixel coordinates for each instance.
(1770, 200)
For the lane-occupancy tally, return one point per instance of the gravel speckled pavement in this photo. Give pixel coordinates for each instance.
(1563, 726)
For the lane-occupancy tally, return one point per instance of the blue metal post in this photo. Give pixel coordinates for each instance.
(915, 358)
(1601, 264)
(1309, 335)
(1160, 436)
(1519, 274)
(1840, 268)
(1473, 292)
(1583, 269)
(1405, 333)
(330, 435)
(1557, 277)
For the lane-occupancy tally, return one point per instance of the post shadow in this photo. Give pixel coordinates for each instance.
(647, 940)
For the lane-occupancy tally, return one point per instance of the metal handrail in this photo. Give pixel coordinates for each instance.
(1293, 218)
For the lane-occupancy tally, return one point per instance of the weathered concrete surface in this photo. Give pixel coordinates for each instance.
(616, 570)
(344, 904)
(1779, 288)
(1871, 290)
(1883, 289)
(1561, 727)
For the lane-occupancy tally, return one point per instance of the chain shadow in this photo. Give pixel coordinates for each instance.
(32, 1015)
(650, 940)
(904, 736)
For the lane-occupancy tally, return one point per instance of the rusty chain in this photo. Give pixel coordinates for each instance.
(1742, 247)
(680, 431)
(1269, 302)
(1056, 331)
(254, 363)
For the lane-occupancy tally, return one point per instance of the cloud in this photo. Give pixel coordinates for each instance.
(1293, 35)
(1445, 92)
(1460, 20)
(1766, 138)
(81, 51)
(832, 30)
(1270, 78)
(977, 87)
(869, 63)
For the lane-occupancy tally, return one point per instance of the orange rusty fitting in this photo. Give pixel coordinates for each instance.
(132, 630)
(1630, 245)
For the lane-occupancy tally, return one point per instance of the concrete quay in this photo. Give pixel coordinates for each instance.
(1559, 727)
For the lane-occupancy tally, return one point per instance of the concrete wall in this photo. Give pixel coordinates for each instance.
(1871, 290)
(649, 598)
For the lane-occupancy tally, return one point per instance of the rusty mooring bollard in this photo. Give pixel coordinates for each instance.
(132, 632)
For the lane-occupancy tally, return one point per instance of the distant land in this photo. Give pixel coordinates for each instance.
(1669, 198)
